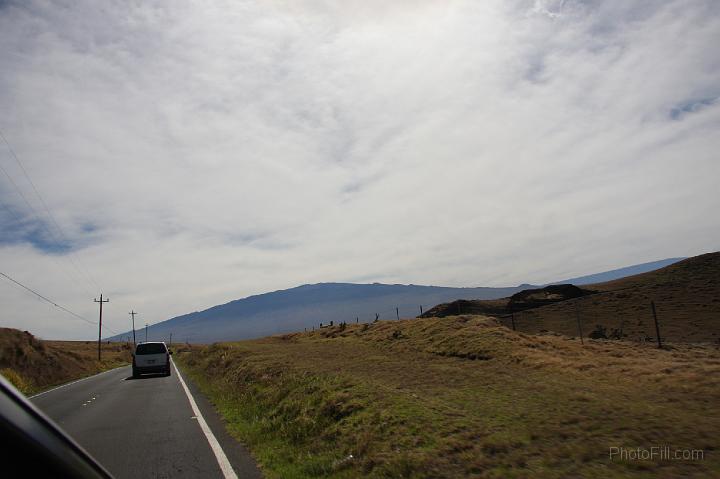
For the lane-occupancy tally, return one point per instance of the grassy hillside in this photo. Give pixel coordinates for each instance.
(686, 295)
(621, 273)
(33, 365)
(461, 397)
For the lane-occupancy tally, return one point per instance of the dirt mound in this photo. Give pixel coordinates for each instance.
(526, 299)
(535, 298)
(485, 307)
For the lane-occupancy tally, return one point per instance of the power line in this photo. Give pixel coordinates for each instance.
(46, 299)
(71, 257)
(20, 221)
(34, 212)
(11, 211)
(78, 266)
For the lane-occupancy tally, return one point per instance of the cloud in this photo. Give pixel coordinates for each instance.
(194, 154)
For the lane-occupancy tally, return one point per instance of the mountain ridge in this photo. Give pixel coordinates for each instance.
(619, 273)
(308, 305)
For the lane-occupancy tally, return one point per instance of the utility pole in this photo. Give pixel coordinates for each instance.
(657, 327)
(133, 313)
(146, 332)
(579, 325)
(100, 324)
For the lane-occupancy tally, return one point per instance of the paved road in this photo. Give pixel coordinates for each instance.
(144, 428)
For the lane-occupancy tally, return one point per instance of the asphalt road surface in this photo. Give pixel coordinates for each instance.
(147, 427)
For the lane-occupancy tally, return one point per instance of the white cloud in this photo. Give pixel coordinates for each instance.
(217, 151)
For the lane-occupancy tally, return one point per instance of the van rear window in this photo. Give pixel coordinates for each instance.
(152, 348)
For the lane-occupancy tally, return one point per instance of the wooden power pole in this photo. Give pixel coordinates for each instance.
(579, 325)
(133, 313)
(657, 327)
(101, 301)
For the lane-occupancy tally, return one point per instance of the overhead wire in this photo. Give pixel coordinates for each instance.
(44, 298)
(82, 272)
(32, 209)
(53, 303)
(79, 266)
(21, 221)
(43, 225)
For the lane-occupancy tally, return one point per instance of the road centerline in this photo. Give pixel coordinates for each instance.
(75, 382)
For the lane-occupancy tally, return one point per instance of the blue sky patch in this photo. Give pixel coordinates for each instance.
(692, 106)
(17, 229)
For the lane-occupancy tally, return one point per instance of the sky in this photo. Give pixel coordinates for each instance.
(184, 154)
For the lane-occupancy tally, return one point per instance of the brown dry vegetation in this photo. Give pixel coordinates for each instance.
(34, 365)
(461, 397)
(686, 295)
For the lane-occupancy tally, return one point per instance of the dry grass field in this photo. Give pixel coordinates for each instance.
(34, 365)
(462, 397)
(686, 295)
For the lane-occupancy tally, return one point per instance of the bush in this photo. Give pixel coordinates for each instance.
(17, 380)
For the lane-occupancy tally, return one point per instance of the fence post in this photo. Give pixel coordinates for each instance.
(657, 327)
(577, 316)
(421, 310)
(397, 313)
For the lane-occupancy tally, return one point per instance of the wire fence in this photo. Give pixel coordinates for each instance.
(619, 315)
(626, 315)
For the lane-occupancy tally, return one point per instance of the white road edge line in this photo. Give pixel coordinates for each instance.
(222, 459)
(75, 382)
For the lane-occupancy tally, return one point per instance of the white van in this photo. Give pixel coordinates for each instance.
(151, 358)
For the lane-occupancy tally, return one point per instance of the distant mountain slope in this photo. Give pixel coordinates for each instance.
(308, 305)
(501, 306)
(620, 273)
